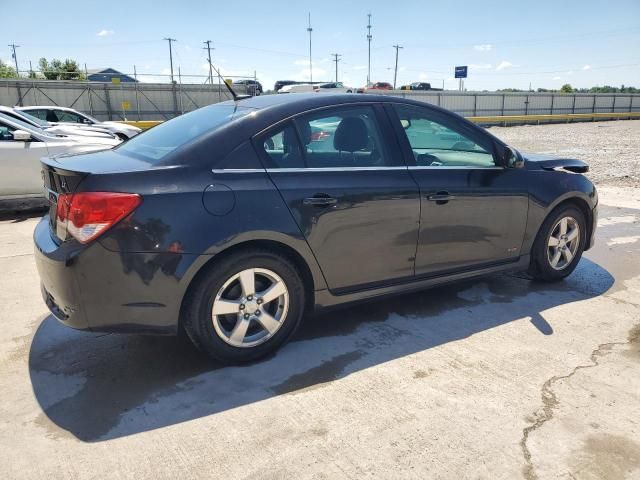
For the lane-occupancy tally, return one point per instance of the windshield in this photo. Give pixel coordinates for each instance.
(25, 126)
(155, 144)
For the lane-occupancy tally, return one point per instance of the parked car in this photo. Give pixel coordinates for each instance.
(376, 86)
(333, 87)
(228, 224)
(21, 147)
(73, 130)
(253, 87)
(65, 116)
(282, 83)
(419, 86)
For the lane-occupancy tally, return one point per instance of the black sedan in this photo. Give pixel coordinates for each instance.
(234, 221)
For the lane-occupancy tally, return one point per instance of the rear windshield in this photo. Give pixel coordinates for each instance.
(155, 144)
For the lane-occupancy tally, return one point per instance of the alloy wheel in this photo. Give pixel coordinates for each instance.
(563, 243)
(250, 307)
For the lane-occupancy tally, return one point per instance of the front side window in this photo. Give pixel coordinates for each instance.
(283, 148)
(68, 117)
(435, 145)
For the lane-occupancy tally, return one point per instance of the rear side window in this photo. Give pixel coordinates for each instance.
(156, 143)
(41, 114)
(346, 137)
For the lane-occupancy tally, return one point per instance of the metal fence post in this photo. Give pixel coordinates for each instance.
(593, 108)
(552, 98)
(613, 107)
(107, 99)
(439, 99)
(573, 106)
(526, 106)
(175, 99)
(19, 92)
(502, 109)
(475, 104)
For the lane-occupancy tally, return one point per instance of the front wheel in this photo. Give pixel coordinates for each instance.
(245, 306)
(559, 244)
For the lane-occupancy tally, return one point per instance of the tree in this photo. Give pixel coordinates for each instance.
(566, 88)
(6, 71)
(59, 70)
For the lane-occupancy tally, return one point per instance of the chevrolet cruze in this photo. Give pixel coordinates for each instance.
(232, 222)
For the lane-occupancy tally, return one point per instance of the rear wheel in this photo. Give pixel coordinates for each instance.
(559, 244)
(245, 306)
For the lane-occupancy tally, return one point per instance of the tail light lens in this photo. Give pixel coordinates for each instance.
(87, 215)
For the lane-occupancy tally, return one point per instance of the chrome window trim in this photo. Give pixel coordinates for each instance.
(335, 169)
(238, 170)
(458, 167)
(347, 169)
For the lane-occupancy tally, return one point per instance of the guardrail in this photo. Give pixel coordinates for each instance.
(497, 119)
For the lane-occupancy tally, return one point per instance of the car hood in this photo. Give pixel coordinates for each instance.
(548, 162)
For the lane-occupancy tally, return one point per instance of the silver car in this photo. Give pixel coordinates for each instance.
(65, 116)
(21, 148)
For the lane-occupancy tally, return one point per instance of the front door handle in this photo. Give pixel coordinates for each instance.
(441, 197)
(320, 200)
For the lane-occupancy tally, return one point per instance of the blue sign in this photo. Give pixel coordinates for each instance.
(461, 72)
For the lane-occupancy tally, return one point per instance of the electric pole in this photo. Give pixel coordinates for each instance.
(208, 49)
(369, 37)
(170, 55)
(15, 57)
(395, 75)
(336, 58)
(309, 29)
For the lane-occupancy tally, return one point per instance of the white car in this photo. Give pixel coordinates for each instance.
(330, 87)
(73, 130)
(21, 148)
(63, 115)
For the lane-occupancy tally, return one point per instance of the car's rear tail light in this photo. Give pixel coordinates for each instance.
(87, 215)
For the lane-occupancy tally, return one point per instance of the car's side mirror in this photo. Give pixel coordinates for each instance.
(86, 121)
(513, 158)
(21, 136)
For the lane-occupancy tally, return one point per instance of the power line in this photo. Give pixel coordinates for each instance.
(15, 57)
(395, 73)
(309, 29)
(369, 37)
(336, 59)
(208, 49)
(170, 40)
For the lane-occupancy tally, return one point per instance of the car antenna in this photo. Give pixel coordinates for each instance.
(235, 96)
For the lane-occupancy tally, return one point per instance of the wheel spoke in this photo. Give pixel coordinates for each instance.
(268, 322)
(240, 330)
(248, 282)
(568, 256)
(553, 242)
(273, 292)
(573, 234)
(224, 307)
(556, 258)
(563, 226)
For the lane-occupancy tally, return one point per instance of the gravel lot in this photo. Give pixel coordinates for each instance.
(497, 378)
(612, 149)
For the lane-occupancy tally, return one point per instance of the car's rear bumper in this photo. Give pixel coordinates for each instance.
(93, 288)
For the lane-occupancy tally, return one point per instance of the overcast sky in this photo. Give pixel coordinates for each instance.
(505, 43)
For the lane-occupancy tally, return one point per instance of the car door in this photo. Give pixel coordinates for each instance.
(347, 187)
(474, 211)
(20, 163)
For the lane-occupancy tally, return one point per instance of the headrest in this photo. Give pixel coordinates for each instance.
(351, 135)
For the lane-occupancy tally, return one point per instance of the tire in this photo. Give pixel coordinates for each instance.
(234, 338)
(544, 253)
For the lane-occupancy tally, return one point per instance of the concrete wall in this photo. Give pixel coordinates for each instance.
(147, 101)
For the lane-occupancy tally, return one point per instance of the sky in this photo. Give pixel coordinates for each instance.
(506, 44)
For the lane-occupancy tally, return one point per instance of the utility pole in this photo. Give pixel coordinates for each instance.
(309, 29)
(15, 57)
(208, 49)
(336, 58)
(170, 55)
(395, 74)
(369, 37)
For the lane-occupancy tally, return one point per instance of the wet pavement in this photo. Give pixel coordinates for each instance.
(499, 377)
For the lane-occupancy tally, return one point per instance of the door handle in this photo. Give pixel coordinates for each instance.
(320, 200)
(441, 197)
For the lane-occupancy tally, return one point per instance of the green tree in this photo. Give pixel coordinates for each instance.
(59, 70)
(566, 88)
(6, 71)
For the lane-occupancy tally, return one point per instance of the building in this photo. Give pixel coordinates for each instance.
(107, 74)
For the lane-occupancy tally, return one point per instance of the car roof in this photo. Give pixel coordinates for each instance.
(55, 107)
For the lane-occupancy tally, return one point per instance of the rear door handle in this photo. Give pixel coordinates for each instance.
(441, 197)
(320, 200)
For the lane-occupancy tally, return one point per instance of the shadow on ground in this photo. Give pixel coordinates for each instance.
(100, 387)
